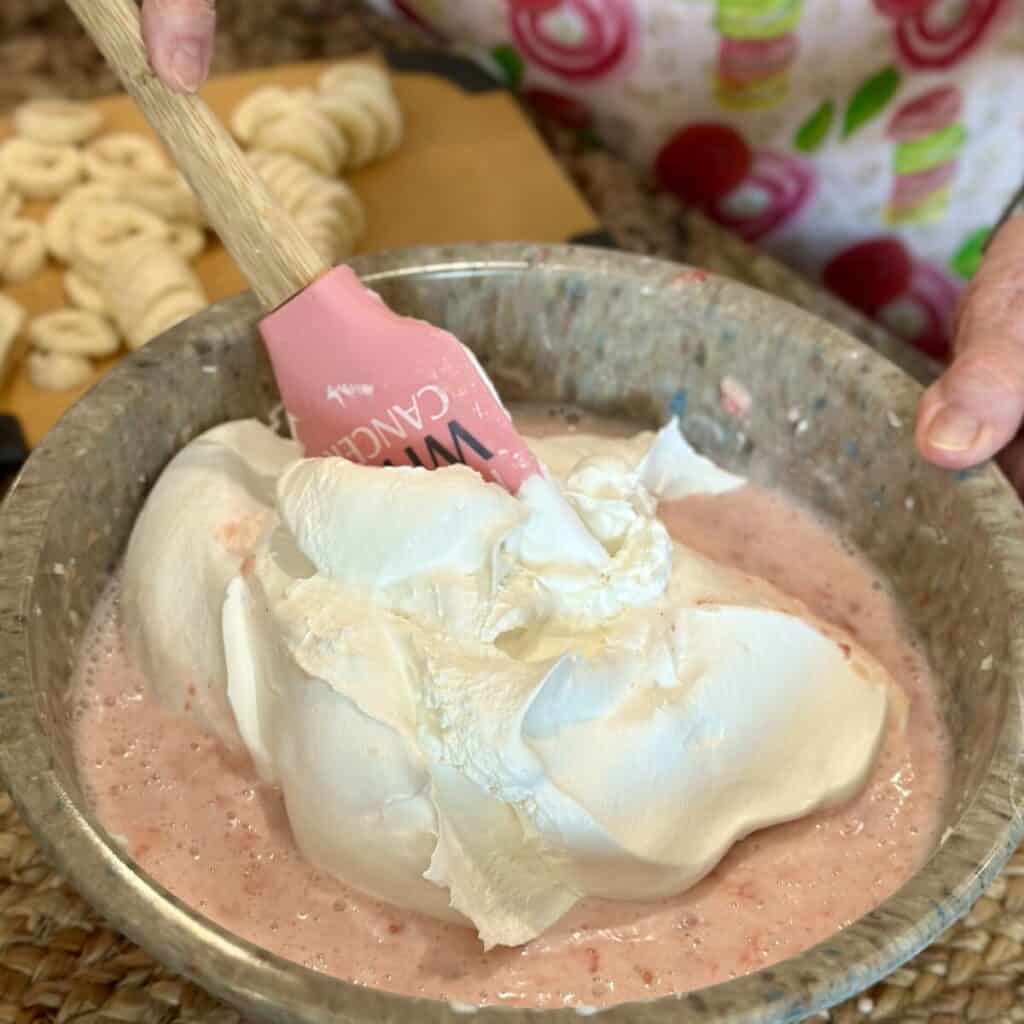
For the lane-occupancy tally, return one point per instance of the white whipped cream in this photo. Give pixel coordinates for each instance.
(487, 707)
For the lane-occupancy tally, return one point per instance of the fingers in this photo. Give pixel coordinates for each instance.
(975, 409)
(179, 37)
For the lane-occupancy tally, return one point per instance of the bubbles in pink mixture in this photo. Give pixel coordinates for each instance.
(200, 822)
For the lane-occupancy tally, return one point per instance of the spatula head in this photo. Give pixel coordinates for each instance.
(362, 382)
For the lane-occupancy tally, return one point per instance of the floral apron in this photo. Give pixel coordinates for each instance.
(872, 144)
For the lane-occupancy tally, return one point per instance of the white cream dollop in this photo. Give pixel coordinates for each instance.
(203, 517)
(483, 706)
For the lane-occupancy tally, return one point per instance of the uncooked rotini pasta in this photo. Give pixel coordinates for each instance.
(57, 371)
(59, 226)
(10, 200)
(351, 120)
(263, 105)
(125, 225)
(187, 239)
(359, 99)
(83, 294)
(57, 122)
(164, 192)
(101, 230)
(166, 313)
(340, 75)
(133, 197)
(293, 182)
(74, 332)
(22, 250)
(149, 287)
(333, 223)
(110, 156)
(40, 170)
(307, 134)
(327, 211)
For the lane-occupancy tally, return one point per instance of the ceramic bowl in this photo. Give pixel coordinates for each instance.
(830, 422)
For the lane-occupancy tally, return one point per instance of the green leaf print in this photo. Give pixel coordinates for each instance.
(967, 258)
(508, 59)
(871, 99)
(813, 132)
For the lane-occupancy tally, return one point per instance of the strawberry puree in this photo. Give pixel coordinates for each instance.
(203, 825)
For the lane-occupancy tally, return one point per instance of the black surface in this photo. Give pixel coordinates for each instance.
(600, 239)
(460, 71)
(13, 450)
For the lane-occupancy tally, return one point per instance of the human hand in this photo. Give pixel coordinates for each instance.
(179, 39)
(975, 409)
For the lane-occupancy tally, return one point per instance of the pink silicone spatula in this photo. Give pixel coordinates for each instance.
(357, 379)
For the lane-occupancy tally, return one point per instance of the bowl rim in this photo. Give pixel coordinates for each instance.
(970, 854)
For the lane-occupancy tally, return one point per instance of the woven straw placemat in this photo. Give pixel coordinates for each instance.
(58, 960)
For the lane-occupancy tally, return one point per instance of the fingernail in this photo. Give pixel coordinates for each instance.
(953, 430)
(188, 64)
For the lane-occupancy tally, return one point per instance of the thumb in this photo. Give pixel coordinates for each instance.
(976, 407)
(179, 38)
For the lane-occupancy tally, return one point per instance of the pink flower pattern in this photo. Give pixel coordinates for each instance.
(603, 36)
(594, 64)
(752, 192)
(930, 36)
(913, 298)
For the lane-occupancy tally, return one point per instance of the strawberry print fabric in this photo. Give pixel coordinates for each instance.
(871, 144)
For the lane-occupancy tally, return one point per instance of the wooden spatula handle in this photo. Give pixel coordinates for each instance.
(264, 241)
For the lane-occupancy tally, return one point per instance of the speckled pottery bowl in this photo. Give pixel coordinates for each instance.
(829, 421)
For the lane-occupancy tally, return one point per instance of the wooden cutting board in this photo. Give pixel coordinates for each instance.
(471, 169)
